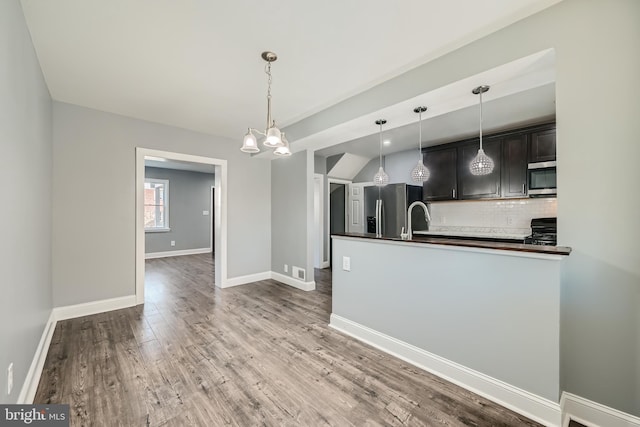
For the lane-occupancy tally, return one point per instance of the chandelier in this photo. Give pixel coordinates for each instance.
(274, 138)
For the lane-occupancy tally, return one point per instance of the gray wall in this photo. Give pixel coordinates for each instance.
(496, 314)
(397, 165)
(596, 45)
(89, 269)
(292, 214)
(189, 195)
(25, 168)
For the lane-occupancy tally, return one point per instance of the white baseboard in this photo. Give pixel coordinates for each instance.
(528, 404)
(94, 307)
(291, 281)
(31, 381)
(249, 278)
(165, 254)
(325, 264)
(593, 414)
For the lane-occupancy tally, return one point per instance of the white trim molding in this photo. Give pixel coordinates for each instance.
(528, 404)
(165, 254)
(220, 206)
(245, 280)
(31, 381)
(593, 414)
(292, 281)
(93, 307)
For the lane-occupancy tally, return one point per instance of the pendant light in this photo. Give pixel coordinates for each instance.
(273, 135)
(283, 150)
(381, 178)
(481, 164)
(420, 173)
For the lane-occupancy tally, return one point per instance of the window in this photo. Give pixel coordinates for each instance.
(156, 204)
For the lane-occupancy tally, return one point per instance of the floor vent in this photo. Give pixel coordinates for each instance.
(298, 273)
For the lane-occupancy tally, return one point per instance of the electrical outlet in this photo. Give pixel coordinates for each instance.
(509, 220)
(286, 268)
(346, 263)
(205, 213)
(10, 378)
(173, 243)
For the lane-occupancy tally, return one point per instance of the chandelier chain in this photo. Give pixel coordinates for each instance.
(267, 69)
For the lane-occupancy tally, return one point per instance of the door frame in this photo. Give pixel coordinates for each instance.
(211, 223)
(318, 222)
(327, 234)
(220, 182)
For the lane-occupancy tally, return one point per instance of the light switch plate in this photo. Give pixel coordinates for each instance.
(346, 263)
(205, 213)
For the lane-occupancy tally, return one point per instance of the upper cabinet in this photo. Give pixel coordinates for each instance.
(510, 151)
(442, 184)
(484, 186)
(543, 145)
(514, 165)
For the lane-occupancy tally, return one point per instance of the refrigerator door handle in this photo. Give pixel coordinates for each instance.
(378, 218)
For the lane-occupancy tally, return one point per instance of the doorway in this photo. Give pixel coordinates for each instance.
(218, 213)
(338, 214)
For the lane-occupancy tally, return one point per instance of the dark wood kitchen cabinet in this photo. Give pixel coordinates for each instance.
(479, 186)
(514, 165)
(442, 184)
(542, 147)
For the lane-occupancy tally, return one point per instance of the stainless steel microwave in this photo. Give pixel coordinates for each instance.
(542, 179)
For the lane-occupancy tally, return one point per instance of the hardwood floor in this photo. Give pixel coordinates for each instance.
(258, 354)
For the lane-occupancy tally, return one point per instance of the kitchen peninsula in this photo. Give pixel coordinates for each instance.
(485, 315)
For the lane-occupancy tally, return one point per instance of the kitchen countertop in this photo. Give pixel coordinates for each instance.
(477, 234)
(483, 244)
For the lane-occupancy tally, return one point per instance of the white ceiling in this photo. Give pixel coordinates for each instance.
(521, 91)
(196, 64)
(519, 109)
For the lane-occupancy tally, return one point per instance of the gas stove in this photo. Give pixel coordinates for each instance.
(544, 231)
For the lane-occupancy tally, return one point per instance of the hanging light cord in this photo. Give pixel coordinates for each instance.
(267, 69)
(380, 144)
(420, 136)
(481, 119)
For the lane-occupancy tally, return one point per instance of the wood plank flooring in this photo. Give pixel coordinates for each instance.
(259, 354)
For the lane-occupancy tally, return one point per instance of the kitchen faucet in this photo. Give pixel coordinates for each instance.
(426, 216)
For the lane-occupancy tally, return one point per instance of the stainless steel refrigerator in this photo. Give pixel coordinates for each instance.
(395, 198)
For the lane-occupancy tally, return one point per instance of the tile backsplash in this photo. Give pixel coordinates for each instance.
(491, 216)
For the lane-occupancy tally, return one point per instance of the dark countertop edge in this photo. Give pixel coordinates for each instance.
(482, 244)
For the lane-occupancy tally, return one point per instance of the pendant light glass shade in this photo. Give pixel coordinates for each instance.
(481, 164)
(250, 144)
(420, 173)
(274, 137)
(381, 178)
(283, 150)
